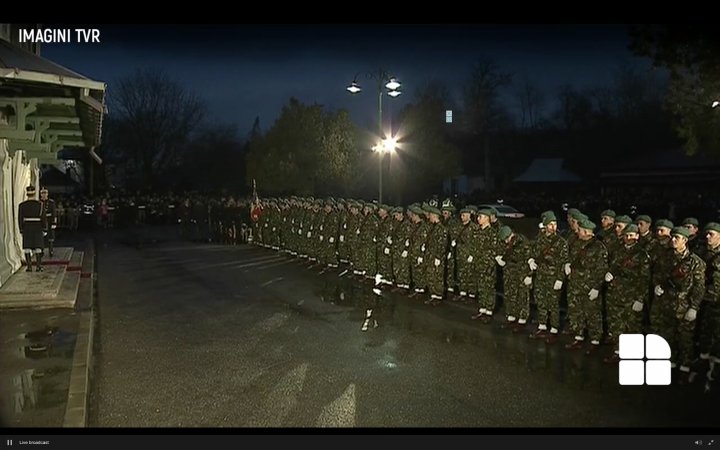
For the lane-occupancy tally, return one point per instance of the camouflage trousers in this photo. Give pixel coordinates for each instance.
(343, 247)
(547, 298)
(620, 316)
(328, 254)
(418, 273)
(678, 332)
(486, 277)
(466, 279)
(401, 268)
(709, 328)
(384, 262)
(517, 295)
(436, 275)
(583, 313)
(451, 275)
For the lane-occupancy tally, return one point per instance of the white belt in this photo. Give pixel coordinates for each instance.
(31, 219)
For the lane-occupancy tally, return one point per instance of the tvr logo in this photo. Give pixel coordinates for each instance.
(644, 360)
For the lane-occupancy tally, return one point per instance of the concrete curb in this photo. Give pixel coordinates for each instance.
(76, 410)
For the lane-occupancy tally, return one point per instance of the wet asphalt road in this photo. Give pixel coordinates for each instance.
(202, 335)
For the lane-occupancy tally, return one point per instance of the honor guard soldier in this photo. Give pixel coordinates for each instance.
(49, 219)
(30, 216)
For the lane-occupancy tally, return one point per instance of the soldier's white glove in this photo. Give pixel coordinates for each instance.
(274, 228)
(637, 306)
(558, 285)
(374, 239)
(404, 254)
(567, 269)
(344, 226)
(449, 255)
(299, 232)
(470, 259)
(500, 261)
(386, 251)
(423, 247)
(331, 240)
(53, 227)
(690, 315)
(407, 242)
(309, 233)
(527, 281)
(532, 264)
(357, 231)
(266, 225)
(419, 260)
(453, 243)
(321, 238)
(659, 290)
(593, 294)
(321, 227)
(285, 220)
(437, 262)
(342, 238)
(44, 233)
(389, 240)
(609, 277)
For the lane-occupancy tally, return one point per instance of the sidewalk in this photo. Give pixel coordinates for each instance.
(46, 340)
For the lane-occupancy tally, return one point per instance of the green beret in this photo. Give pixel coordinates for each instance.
(384, 206)
(632, 228)
(485, 212)
(712, 226)
(643, 218)
(547, 217)
(432, 209)
(664, 223)
(587, 225)
(608, 213)
(623, 219)
(504, 232)
(572, 212)
(467, 210)
(493, 210)
(681, 231)
(416, 210)
(398, 210)
(691, 221)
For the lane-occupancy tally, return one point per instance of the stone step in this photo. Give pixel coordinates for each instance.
(76, 262)
(61, 256)
(54, 287)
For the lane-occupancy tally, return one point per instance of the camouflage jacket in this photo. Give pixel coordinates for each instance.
(384, 234)
(465, 240)
(516, 254)
(486, 245)
(418, 243)
(437, 242)
(551, 253)
(685, 283)
(401, 234)
(711, 257)
(631, 269)
(590, 263)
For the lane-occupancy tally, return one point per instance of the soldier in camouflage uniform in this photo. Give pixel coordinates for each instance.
(367, 263)
(486, 247)
(644, 224)
(437, 243)
(344, 222)
(661, 252)
(677, 300)
(548, 256)
(402, 232)
(709, 332)
(628, 278)
(695, 242)
(355, 222)
(453, 226)
(417, 249)
(607, 222)
(517, 276)
(328, 235)
(384, 245)
(587, 271)
(614, 245)
(464, 244)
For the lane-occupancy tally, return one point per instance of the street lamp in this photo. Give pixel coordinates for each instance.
(393, 85)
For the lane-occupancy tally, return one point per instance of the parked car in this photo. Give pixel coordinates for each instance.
(505, 211)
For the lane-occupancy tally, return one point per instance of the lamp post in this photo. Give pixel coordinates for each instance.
(384, 80)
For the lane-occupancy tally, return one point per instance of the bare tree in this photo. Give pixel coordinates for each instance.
(532, 103)
(155, 119)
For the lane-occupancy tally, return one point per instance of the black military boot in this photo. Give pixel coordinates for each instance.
(28, 257)
(50, 248)
(39, 262)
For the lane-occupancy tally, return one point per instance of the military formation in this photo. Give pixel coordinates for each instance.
(588, 285)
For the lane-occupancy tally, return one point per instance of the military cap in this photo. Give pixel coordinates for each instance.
(587, 225)
(664, 223)
(632, 228)
(643, 218)
(432, 209)
(691, 221)
(681, 231)
(398, 210)
(504, 232)
(608, 213)
(416, 209)
(547, 217)
(470, 209)
(712, 226)
(493, 211)
(485, 212)
(623, 219)
(385, 207)
(447, 205)
(573, 212)
(30, 189)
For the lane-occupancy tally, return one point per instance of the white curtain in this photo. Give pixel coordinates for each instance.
(10, 254)
(21, 180)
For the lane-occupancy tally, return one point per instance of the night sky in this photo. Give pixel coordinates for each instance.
(246, 71)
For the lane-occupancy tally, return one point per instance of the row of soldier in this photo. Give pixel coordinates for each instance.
(620, 274)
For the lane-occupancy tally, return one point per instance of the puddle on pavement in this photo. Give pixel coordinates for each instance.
(49, 342)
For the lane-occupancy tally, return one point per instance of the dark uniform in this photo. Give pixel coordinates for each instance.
(30, 217)
(49, 220)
